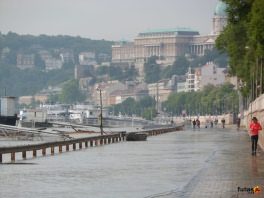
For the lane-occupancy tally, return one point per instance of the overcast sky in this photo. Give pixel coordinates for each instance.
(104, 19)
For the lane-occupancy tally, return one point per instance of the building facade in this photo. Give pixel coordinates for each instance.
(53, 63)
(87, 58)
(168, 44)
(198, 78)
(209, 74)
(25, 61)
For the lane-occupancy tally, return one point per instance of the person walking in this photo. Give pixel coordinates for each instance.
(223, 122)
(238, 123)
(254, 127)
(198, 123)
(215, 122)
(194, 123)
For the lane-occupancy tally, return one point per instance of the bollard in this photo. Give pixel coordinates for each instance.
(34, 153)
(60, 148)
(44, 151)
(67, 147)
(80, 145)
(24, 155)
(74, 146)
(13, 157)
(52, 150)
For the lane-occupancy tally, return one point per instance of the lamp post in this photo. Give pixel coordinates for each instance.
(101, 111)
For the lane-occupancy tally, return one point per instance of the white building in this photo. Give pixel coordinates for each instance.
(53, 63)
(25, 61)
(181, 87)
(190, 78)
(209, 74)
(87, 58)
(67, 56)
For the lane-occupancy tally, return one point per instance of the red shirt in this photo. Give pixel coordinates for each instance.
(255, 128)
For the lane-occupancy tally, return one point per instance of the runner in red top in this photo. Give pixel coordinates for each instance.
(255, 127)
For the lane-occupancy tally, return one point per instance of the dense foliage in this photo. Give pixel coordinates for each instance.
(29, 43)
(116, 72)
(212, 100)
(243, 40)
(71, 93)
(152, 70)
(30, 81)
(144, 108)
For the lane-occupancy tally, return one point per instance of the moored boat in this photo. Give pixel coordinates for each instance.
(136, 136)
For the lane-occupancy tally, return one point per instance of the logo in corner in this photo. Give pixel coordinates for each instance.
(256, 189)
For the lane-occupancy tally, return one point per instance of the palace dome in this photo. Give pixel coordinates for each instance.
(220, 9)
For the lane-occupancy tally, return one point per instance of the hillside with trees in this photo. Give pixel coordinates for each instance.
(29, 81)
(154, 72)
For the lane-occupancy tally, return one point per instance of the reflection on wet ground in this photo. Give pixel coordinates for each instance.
(205, 163)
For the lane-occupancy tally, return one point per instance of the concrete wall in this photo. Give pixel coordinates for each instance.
(256, 108)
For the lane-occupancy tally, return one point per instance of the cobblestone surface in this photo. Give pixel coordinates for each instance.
(229, 166)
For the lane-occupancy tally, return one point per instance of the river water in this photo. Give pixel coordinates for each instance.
(122, 170)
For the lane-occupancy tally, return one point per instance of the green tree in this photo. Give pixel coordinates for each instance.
(243, 40)
(179, 67)
(71, 93)
(152, 70)
(28, 82)
(39, 63)
(211, 100)
(149, 113)
(144, 107)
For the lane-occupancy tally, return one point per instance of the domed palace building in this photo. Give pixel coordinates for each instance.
(168, 44)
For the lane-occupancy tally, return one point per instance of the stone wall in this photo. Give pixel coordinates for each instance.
(256, 108)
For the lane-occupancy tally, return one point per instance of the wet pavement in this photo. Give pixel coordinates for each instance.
(229, 171)
(207, 163)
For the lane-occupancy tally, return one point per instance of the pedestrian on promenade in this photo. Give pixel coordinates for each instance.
(194, 123)
(198, 123)
(215, 122)
(223, 122)
(255, 127)
(211, 123)
(238, 123)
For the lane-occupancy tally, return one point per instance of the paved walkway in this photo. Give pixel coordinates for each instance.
(210, 163)
(229, 166)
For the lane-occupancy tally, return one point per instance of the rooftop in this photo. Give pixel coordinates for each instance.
(170, 30)
(220, 9)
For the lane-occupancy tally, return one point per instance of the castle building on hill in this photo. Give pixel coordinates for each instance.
(168, 44)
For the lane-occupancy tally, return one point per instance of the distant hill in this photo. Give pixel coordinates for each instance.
(29, 81)
(30, 43)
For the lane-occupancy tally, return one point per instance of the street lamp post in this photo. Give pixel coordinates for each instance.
(101, 112)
